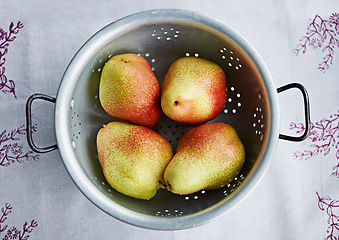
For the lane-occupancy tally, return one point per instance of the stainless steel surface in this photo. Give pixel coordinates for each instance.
(161, 36)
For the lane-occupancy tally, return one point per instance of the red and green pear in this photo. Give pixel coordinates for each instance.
(208, 157)
(193, 91)
(133, 158)
(129, 90)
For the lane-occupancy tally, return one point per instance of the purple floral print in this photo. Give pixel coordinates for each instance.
(324, 136)
(14, 232)
(7, 86)
(11, 150)
(321, 33)
(327, 204)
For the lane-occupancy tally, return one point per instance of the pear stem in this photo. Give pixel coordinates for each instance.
(166, 187)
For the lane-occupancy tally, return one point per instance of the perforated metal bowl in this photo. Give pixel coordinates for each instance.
(162, 36)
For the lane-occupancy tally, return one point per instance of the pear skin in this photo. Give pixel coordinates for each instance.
(129, 90)
(193, 91)
(207, 157)
(133, 158)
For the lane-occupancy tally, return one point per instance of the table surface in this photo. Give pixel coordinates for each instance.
(298, 197)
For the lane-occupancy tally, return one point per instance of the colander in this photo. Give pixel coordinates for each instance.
(162, 36)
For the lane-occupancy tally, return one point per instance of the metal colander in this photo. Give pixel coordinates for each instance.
(162, 36)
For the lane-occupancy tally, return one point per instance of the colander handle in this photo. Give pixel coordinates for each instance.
(29, 126)
(307, 112)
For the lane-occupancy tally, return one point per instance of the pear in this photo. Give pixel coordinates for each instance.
(193, 91)
(207, 157)
(129, 90)
(133, 158)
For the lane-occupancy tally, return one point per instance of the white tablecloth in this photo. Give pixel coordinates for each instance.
(297, 199)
